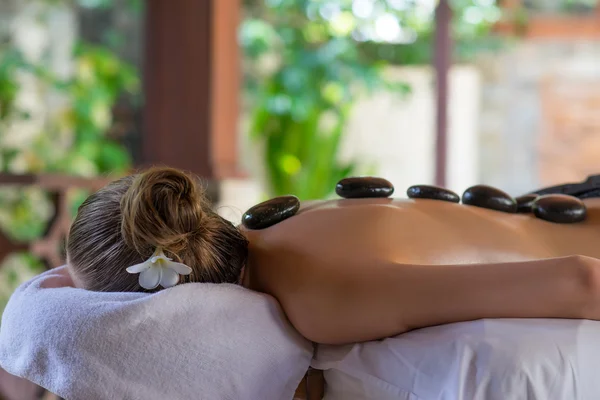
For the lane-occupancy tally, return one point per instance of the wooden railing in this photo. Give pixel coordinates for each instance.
(49, 248)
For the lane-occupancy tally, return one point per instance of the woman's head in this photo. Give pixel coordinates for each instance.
(124, 223)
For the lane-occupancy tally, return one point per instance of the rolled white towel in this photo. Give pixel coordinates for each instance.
(193, 341)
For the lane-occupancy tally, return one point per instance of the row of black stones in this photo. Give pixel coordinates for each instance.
(557, 208)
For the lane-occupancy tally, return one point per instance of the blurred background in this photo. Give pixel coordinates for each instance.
(270, 97)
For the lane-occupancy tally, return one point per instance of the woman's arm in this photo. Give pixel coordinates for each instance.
(388, 299)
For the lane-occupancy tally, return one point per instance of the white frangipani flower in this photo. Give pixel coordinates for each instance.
(159, 270)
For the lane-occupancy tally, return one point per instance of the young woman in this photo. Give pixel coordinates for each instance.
(346, 270)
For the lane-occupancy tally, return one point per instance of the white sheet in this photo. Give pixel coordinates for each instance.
(480, 360)
(193, 341)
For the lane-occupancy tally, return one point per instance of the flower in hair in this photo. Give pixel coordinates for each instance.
(159, 270)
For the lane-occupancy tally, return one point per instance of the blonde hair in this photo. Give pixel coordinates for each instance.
(123, 223)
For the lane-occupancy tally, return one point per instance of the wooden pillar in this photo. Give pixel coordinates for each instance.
(192, 82)
(443, 61)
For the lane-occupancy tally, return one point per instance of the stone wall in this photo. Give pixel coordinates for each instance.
(521, 109)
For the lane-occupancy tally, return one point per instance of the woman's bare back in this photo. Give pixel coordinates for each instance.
(345, 240)
(357, 232)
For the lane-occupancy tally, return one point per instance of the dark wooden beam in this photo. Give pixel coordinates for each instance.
(192, 86)
(49, 247)
(225, 90)
(442, 61)
(54, 182)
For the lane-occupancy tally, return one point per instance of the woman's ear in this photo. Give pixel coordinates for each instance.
(61, 277)
(244, 277)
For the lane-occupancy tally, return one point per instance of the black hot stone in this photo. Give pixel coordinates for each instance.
(525, 202)
(489, 197)
(271, 212)
(364, 187)
(432, 192)
(559, 208)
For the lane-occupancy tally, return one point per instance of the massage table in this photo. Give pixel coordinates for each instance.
(312, 386)
(549, 222)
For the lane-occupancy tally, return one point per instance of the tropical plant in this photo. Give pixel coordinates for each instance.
(79, 134)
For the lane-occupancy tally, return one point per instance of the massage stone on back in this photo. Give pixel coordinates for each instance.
(364, 187)
(271, 212)
(489, 197)
(432, 192)
(559, 208)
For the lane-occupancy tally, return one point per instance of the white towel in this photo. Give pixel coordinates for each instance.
(193, 341)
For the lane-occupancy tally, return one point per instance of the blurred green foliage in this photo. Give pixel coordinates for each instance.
(307, 62)
(75, 139)
(67, 130)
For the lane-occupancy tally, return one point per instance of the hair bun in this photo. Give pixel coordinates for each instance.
(163, 207)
